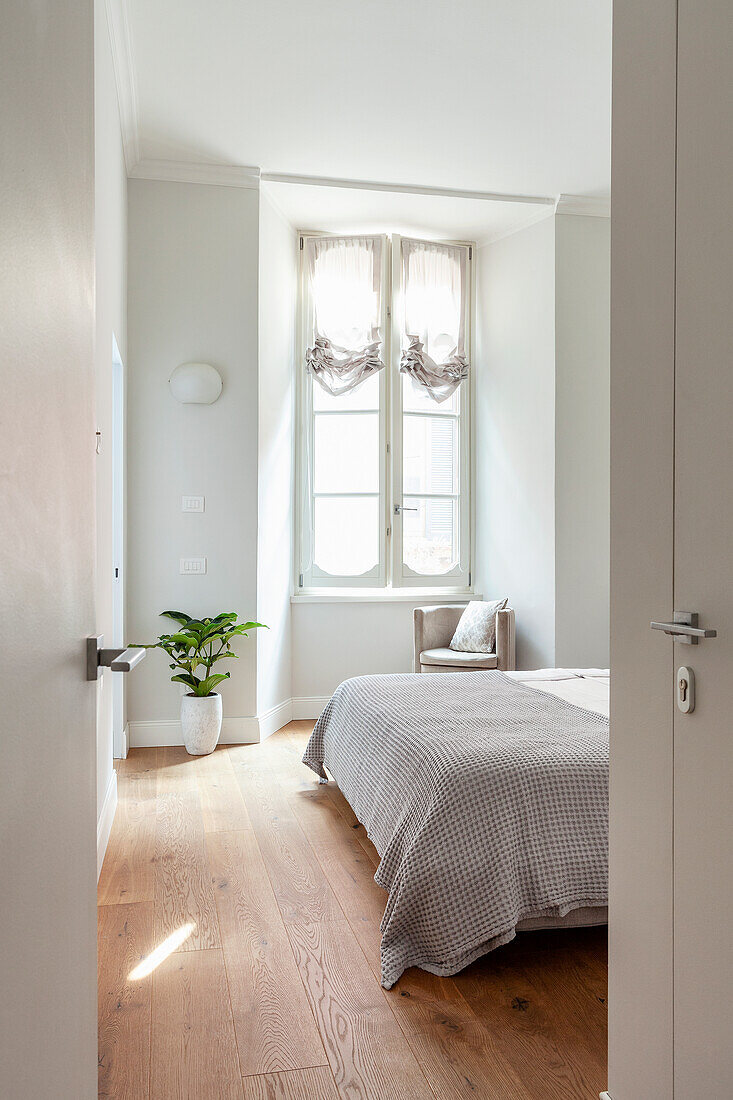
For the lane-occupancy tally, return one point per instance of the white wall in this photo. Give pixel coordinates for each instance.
(278, 273)
(515, 434)
(542, 430)
(47, 547)
(335, 641)
(582, 440)
(111, 305)
(193, 271)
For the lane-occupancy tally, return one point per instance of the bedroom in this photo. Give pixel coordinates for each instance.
(375, 407)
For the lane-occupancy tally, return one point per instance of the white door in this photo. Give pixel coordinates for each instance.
(47, 554)
(703, 552)
(670, 954)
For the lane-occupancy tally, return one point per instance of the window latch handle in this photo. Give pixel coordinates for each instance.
(400, 508)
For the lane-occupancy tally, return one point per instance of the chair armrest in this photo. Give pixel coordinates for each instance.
(506, 658)
(434, 627)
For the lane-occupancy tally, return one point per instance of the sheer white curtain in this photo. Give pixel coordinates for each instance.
(345, 276)
(433, 336)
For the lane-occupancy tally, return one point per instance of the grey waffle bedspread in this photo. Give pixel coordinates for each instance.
(486, 800)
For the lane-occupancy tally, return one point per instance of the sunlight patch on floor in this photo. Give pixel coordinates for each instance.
(161, 952)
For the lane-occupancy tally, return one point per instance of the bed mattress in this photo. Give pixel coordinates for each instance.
(486, 797)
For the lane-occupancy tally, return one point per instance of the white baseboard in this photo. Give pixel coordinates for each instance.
(309, 706)
(605, 1096)
(272, 720)
(234, 731)
(106, 817)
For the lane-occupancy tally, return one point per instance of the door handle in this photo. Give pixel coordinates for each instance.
(684, 628)
(400, 508)
(119, 660)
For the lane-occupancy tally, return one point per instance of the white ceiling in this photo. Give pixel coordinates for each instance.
(484, 95)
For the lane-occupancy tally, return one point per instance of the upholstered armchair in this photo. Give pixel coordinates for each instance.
(434, 628)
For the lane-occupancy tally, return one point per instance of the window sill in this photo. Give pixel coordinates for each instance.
(384, 595)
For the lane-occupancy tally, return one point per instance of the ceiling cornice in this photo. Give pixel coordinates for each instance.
(124, 69)
(403, 188)
(219, 175)
(588, 205)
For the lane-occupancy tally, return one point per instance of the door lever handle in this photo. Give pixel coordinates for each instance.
(119, 660)
(684, 628)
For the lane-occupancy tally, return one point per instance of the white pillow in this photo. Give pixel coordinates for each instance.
(476, 630)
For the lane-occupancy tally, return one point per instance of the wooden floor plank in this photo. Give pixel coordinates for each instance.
(553, 1034)
(345, 864)
(300, 886)
(222, 804)
(128, 872)
(367, 1051)
(304, 1084)
(183, 889)
(194, 1053)
(274, 1025)
(125, 938)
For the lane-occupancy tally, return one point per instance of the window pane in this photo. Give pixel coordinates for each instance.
(430, 535)
(346, 453)
(346, 535)
(416, 399)
(430, 454)
(365, 396)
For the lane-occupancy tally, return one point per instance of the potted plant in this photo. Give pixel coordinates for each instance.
(200, 644)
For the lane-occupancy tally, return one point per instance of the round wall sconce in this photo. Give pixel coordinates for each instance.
(195, 384)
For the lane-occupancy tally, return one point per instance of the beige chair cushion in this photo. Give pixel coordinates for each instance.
(450, 657)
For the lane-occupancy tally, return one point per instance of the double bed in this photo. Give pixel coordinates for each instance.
(486, 797)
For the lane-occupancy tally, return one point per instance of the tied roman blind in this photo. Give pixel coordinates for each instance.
(433, 336)
(345, 276)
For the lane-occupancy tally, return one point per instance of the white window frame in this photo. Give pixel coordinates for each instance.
(390, 576)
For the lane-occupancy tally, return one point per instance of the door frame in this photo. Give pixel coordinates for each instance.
(119, 738)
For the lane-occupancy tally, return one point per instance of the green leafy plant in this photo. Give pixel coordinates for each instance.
(200, 643)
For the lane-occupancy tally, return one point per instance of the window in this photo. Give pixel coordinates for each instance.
(384, 398)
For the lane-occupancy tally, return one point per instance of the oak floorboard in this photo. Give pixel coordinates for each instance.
(194, 1052)
(367, 1051)
(128, 872)
(222, 804)
(183, 889)
(274, 1026)
(554, 1034)
(125, 936)
(303, 1084)
(300, 886)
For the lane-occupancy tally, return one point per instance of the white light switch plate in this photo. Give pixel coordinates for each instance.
(193, 566)
(192, 504)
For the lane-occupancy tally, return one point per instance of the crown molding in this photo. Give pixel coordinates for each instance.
(124, 69)
(219, 175)
(588, 205)
(404, 188)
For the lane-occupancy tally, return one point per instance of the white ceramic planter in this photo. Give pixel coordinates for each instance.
(201, 723)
